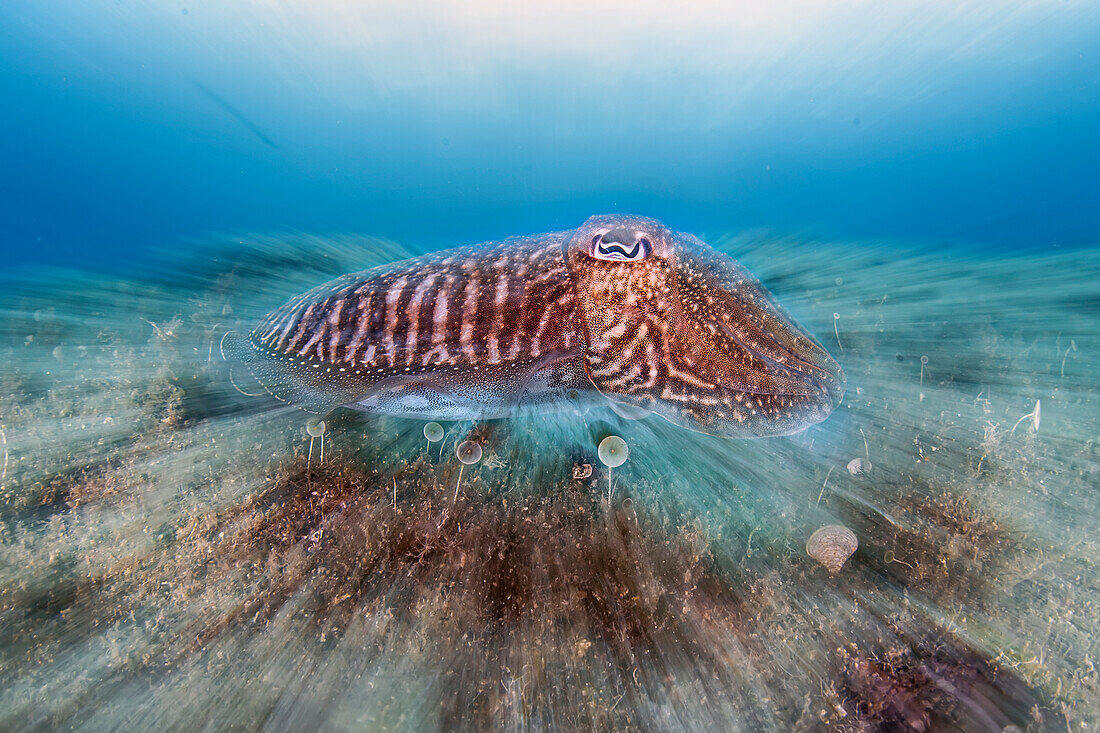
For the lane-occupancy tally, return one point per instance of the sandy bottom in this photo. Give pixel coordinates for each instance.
(178, 554)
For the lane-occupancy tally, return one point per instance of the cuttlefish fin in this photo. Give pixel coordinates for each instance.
(299, 382)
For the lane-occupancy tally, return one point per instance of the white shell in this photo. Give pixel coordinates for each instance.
(858, 466)
(831, 546)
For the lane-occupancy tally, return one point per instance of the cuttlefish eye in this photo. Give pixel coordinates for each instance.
(622, 244)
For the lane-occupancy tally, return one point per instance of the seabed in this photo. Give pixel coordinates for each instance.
(179, 553)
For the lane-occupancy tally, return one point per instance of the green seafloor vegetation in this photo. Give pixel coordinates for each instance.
(177, 552)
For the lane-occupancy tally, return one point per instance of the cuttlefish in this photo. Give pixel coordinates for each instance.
(621, 312)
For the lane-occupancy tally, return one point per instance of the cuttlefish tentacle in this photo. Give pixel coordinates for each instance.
(621, 309)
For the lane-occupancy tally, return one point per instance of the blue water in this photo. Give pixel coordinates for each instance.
(129, 125)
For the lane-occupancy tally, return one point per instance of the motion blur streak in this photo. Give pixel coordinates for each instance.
(178, 551)
(914, 181)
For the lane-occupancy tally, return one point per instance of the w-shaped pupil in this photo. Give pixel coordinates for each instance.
(619, 244)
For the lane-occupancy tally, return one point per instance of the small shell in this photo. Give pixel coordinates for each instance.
(858, 465)
(582, 470)
(831, 546)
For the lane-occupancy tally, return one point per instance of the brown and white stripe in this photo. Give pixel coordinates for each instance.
(473, 306)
